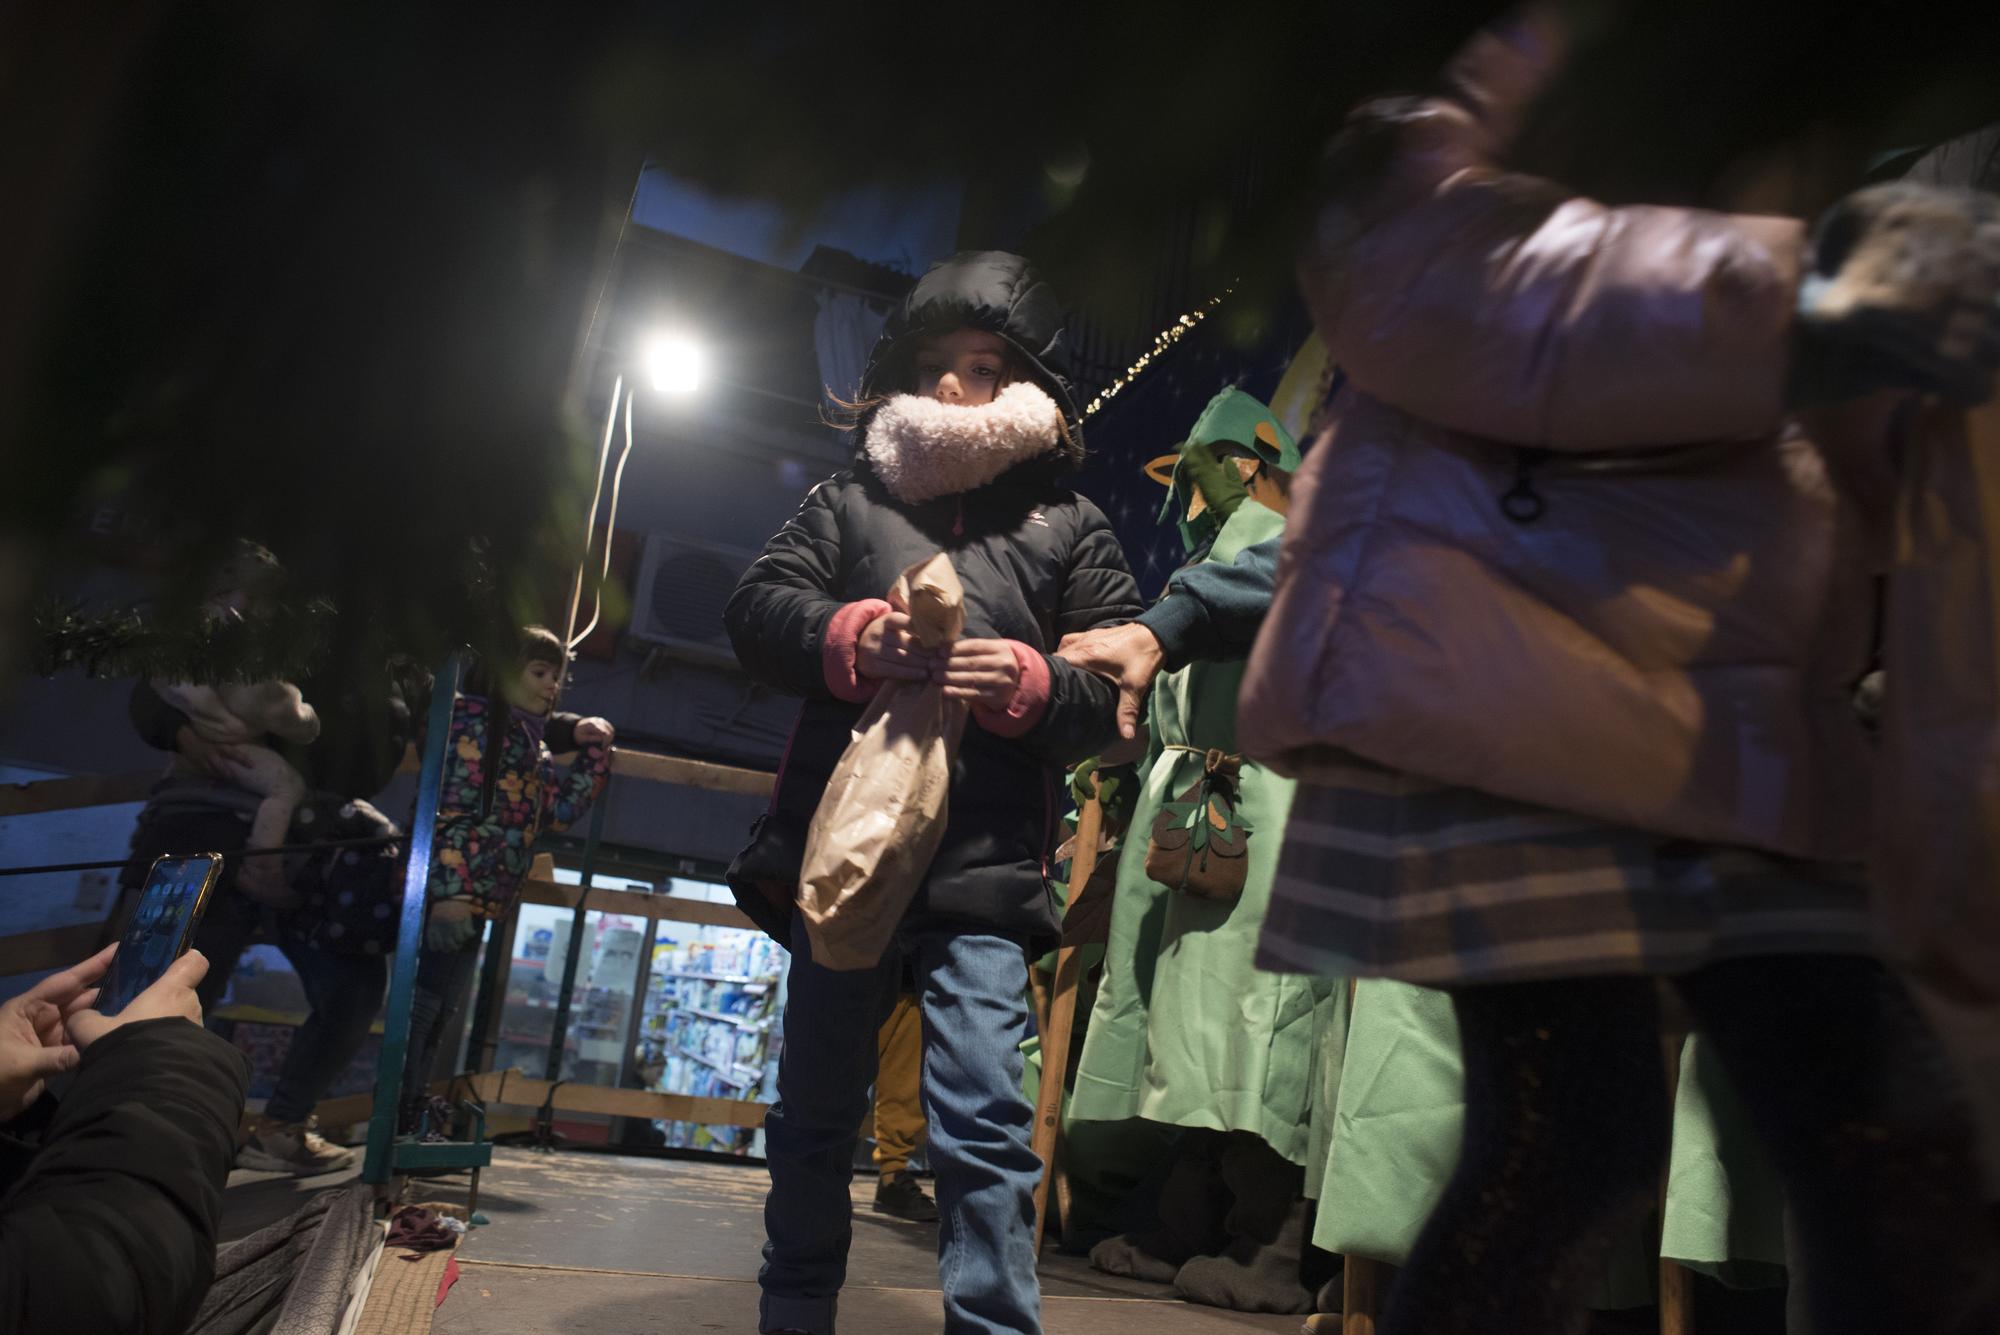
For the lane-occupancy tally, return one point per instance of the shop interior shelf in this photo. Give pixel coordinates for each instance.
(741, 1022)
(727, 1072)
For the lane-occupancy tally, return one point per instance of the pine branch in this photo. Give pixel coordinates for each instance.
(287, 642)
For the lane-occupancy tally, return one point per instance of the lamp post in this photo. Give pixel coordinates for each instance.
(673, 364)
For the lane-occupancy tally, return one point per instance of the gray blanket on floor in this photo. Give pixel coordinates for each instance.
(297, 1276)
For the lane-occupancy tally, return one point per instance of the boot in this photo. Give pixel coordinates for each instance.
(1194, 1201)
(1261, 1268)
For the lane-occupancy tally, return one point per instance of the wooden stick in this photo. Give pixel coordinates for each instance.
(1362, 1280)
(1676, 1282)
(1062, 1018)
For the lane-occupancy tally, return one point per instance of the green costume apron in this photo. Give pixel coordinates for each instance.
(1186, 1030)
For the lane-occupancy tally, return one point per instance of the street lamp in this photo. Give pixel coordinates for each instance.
(674, 363)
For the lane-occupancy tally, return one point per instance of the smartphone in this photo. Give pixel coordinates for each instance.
(162, 927)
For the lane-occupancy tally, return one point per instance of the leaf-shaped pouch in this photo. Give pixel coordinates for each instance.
(1200, 843)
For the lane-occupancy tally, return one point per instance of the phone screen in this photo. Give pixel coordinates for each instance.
(161, 929)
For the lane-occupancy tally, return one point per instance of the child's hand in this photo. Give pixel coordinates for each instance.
(451, 926)
(888, 652)
(983, 673)
(595, 732)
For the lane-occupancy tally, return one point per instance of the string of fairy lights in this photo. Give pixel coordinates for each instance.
(1162, 341)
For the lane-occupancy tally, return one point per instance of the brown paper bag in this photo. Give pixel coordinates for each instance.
(884, 809)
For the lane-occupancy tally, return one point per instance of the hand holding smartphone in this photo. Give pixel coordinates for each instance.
(162, 927)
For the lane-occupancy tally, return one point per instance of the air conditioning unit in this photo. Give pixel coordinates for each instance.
(677, 602)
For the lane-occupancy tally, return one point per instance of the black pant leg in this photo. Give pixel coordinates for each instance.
(1865, 1120)
(1566, 1122)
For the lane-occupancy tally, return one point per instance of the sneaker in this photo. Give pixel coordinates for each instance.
(898, 1194)
(297, 1148)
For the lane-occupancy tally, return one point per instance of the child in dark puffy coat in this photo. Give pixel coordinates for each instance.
(491, 810)
(967, 427)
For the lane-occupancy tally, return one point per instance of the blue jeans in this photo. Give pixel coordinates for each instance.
(973, 989)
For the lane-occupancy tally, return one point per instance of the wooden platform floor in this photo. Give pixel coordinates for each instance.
(589, 1244)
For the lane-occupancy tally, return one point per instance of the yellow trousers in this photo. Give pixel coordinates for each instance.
(899, 1107)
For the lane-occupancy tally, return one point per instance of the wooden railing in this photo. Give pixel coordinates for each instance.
(100, 790)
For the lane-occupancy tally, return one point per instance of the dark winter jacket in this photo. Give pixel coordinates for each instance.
(1038, 562)
(113, 1195)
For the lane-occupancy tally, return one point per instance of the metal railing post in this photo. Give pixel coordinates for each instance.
(376, 1169)
(575, 953)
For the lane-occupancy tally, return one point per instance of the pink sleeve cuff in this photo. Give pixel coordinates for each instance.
(841, 645)
(1031, 698)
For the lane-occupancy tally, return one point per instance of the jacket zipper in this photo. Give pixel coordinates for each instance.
(785, 760)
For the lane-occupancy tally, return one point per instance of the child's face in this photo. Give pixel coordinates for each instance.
(965, 366)
(536, 688)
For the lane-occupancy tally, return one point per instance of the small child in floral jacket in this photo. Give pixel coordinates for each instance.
(489, 816)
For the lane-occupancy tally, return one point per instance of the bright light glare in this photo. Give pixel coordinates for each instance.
(673, 364)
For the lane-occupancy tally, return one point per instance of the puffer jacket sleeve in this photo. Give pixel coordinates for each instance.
(1081, 717)
(573, 790)
(1099, 589)
(113, 1224)
(778, 616)
(1510, 308)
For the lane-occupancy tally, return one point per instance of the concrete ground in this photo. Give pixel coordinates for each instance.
(590, 1244)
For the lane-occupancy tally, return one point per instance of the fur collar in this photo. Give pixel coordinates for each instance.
(923, 449)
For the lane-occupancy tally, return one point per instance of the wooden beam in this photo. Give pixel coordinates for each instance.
(635, 903)
(59, 947)
(97, 790)
(654, 767)
(78, 790)
(54, 948)
(513, 1090)
(692, 773)
(353, 1109)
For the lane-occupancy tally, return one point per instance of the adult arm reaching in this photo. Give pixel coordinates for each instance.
(1210, 611)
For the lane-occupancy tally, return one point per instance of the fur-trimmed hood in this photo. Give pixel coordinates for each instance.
(982, 289)
(922, 449)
